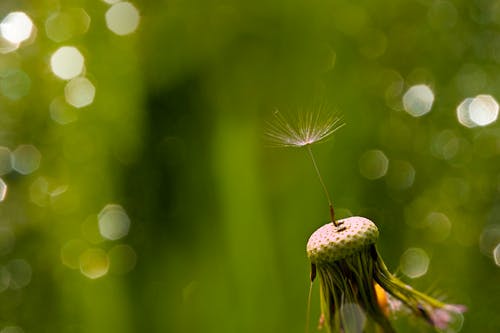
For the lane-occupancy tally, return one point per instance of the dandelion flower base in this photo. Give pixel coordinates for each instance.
(330, 242)
(352, 275)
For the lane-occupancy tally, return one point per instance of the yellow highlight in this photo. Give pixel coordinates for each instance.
(382, 299)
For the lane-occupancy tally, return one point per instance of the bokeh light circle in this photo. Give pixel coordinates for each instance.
(438, 226)
(114, 222)
(20, 273)
(483, 110)
(16, 27)
(66, 24)
(61, 112)
(414, 262)
(15, 84)
(445, 145)
(122, 18)
(71, 252)
(94, 263)
(373, 164)
(26, 159)
(79, 92)
(418, 100)
(401, 175)
(67, 62)
(39, 192)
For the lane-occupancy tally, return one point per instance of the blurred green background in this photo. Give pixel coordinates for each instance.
(139, 194)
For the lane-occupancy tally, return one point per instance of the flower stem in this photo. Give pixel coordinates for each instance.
(330, 205)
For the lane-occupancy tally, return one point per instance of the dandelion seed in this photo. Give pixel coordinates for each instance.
(309, 128)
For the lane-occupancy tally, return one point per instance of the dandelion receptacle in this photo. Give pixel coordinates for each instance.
(356, 286)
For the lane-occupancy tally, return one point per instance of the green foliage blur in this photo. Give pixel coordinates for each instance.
(173, 141)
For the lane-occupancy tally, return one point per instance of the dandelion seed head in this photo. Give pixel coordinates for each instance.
(308, 128)
(354, 277)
